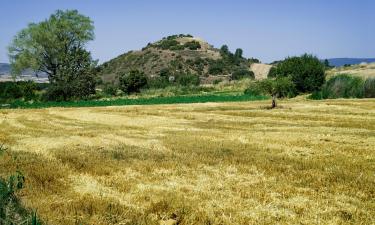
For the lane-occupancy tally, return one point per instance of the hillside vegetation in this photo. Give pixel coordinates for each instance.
(176, 55)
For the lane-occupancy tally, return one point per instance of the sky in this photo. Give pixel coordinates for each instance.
(265, 29)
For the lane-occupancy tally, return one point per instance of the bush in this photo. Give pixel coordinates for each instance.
(369, 88)
(132, 82)
(216, 67)
(242, 73)
(158, 82)
(192, 45)
(16, 90)
(187, 79)
(343, 86)
(307, 72)
(110, 89)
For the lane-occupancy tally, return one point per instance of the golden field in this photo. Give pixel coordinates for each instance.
(308, 162)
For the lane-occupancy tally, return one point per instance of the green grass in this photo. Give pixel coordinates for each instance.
(138, 101)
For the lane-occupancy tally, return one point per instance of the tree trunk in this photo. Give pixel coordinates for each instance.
(273, 102)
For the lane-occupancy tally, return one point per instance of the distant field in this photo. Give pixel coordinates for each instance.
(309, 162)
(364, 71)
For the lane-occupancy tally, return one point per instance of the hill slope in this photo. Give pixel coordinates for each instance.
(176, 54)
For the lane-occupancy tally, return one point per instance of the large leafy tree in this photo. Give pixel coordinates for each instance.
(307, 72)
(56, 46)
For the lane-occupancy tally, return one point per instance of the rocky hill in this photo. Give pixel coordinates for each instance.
(175, 55)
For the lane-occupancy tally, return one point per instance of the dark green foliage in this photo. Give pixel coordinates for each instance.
(133, 81)
(168, 44)
(369, 87)
(216, 67)
(110, 89)
(75, 78)
(187, 79)
(273, 72)
(26, 90)
(162, 81)
(345, 86)
(280, 87)
(307, 72)
(192, 45)
(224, 50)
(238, 53)
(242, 73)
(56, 46)
(276, 88)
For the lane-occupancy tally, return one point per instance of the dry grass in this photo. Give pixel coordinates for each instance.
(364, 71)
(310, 162)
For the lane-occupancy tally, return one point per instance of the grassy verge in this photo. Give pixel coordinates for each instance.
(138, 101)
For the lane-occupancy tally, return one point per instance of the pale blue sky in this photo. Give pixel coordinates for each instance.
(267, 29)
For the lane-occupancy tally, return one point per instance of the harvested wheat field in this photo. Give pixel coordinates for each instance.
(309, 162)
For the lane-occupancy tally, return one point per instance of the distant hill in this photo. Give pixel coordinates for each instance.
(4, 69)
(176, 54)
(349, 61)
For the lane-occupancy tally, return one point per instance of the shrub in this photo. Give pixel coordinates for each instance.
(187, 79)
(242, 73)
(369, 88)
(132, 82)
(158, 82)
(168, 43)
(216, 67)
(343, 86)
(307, 72)
(110, 89)
(192, 45)
(16, 90)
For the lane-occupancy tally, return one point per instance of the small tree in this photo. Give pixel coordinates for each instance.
(238, 53)
(132, 82)
(279, 87)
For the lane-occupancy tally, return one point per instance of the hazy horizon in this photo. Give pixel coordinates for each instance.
(268, 30)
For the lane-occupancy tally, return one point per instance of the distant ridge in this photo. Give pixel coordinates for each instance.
(351, 61)
(4, 69)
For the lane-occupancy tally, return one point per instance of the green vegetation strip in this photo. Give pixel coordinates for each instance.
(138, 101)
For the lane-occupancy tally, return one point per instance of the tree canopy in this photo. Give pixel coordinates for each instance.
(307, 72)
(56, 46)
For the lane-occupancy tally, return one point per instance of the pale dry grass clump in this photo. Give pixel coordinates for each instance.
(309, 162)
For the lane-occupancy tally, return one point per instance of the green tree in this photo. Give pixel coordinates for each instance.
(224, 50)
(75, 77)
(56, 46)
(238, 53)
(276, 88)
(132, 82)
(307, 72)
(326, 63)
